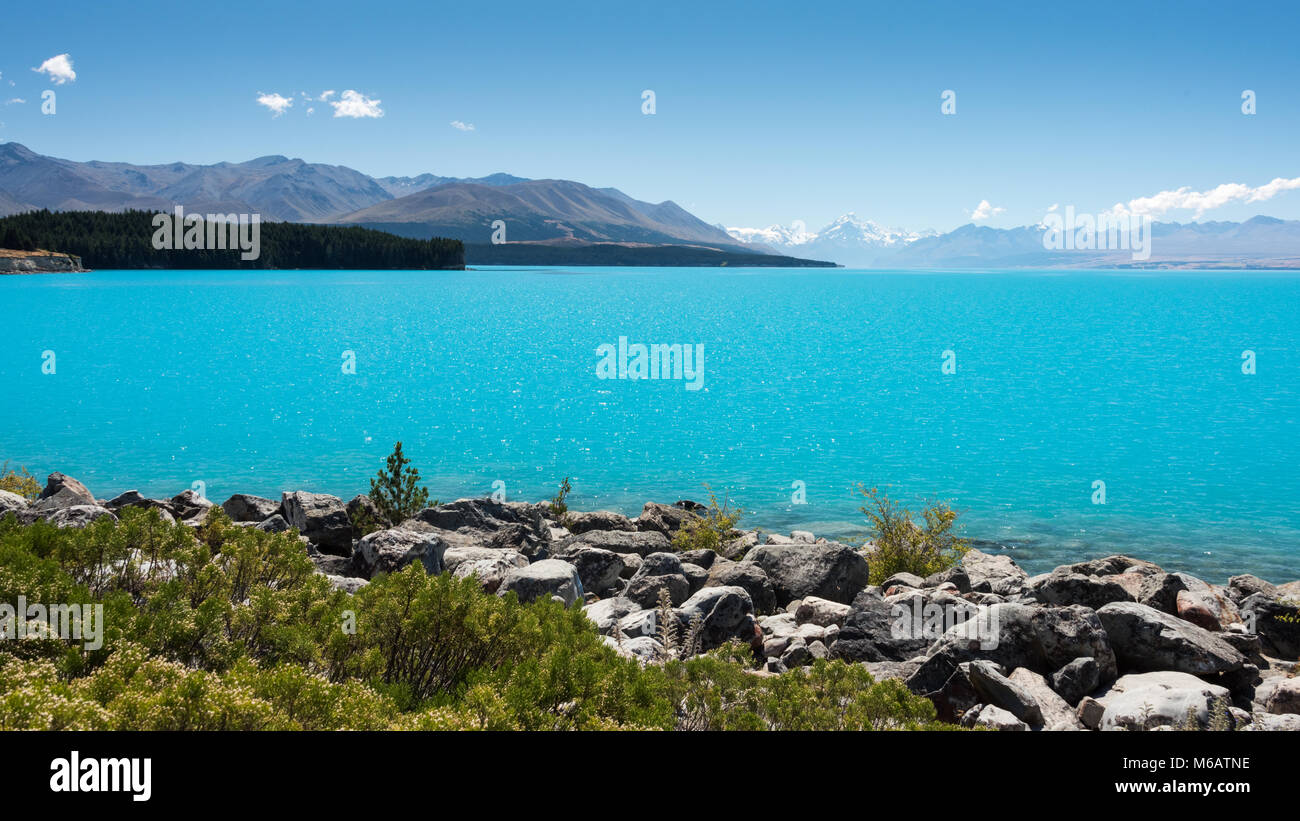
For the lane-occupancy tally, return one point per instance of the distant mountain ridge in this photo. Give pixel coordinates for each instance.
(554, 211)
(1260, 242)
(293, 190)
(277, 187)
(849, 240)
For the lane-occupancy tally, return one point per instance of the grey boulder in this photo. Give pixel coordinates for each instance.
(543, 579)
(321, 518)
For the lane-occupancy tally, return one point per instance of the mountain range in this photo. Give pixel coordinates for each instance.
(568, 214)
(1260, 242)
(293, 190)
(849, 240)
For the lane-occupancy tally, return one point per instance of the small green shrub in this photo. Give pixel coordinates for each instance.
(231, 628)
(559, 505)
(396, 490)
(903, 546)
(709, 531)
(19, 481)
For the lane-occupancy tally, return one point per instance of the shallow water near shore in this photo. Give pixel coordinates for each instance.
(829, 378)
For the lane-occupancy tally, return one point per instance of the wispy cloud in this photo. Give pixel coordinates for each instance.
(325, 95)
(985, 210)
(356, 105)
(1185, 199)
(58, 68)
(457, 124)
(278, 103)
(15, 101)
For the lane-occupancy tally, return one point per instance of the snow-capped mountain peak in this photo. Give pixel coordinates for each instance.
(846, 237)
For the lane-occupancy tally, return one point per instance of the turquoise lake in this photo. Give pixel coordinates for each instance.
(829, 378)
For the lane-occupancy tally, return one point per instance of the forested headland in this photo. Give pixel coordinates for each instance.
(124, 240)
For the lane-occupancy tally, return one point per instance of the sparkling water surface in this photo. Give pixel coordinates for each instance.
(832, 378)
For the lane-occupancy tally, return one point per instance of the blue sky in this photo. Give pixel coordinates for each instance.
(765, 112)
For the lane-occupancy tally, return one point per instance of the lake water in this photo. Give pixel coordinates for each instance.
(828, 378)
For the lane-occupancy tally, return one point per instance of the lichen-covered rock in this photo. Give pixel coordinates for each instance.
(549, 577)
(387, 551)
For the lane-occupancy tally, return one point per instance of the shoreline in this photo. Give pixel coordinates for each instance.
(1112, 643)
(39, 262)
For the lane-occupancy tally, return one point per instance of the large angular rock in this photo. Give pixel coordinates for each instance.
(726, 613)
(995, 688)
(599, 569)
(1144, 701)
(1146, 639)
(134, 499)
(897, 630)
(189, 506)
(63, 491)
(827, 570)
(544, 579)
(990, 573)
(578, 523)
(272, 524)
(363, 512)
(1113, 565)
(992, 717)
(1065, 588)
(1056, 711)
(619, 541)
(1276, 622)
(608, 612)
(663, 519)
(821, 612)
(1076, 680)
(645, 590)
(387, 551)
(12, 503)
(520, 526)
(1042, 639)
(78, 516)
(1284, 697)
(1244, 586)
(490, 571)
(242, 507)
(321, 518)
(750, 576)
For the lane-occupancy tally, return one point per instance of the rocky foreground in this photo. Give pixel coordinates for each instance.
(1109, 644)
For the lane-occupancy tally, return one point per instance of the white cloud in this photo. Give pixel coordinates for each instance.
(59, 69)
(18, 100)
(1055, 206)
(985, 210)
(457, 124)
(310, 111)
(1185, 199)
(356, 105)
(326, 95)
(276, 102)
